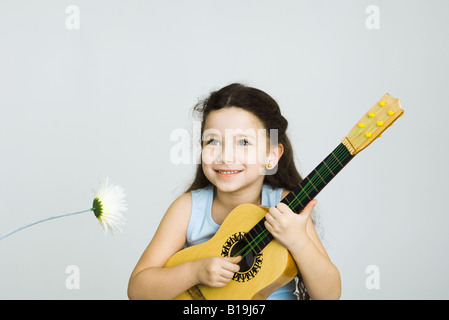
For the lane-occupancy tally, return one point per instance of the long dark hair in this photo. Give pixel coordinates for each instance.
(267, 110)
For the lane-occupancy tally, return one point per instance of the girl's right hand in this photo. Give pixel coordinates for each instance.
(216, 271)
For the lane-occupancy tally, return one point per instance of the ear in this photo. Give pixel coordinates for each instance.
(274, 155)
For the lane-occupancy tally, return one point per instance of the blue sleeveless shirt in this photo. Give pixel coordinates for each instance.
(202, 227)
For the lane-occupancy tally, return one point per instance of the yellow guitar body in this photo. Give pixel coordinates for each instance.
(273, 268)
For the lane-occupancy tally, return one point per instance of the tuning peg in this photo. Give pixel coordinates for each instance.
(382, 103)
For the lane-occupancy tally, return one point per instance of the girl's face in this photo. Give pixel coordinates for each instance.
(235, 150)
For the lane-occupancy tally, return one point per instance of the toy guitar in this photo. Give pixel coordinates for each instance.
(266, 265)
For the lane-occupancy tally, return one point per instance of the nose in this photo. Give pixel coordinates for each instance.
(227, 153)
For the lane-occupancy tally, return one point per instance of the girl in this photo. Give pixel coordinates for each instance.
(234, 171)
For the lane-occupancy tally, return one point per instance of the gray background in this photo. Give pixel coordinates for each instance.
(76, 105)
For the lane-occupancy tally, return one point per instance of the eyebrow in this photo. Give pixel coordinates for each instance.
(213, 133)
(245, 135)
(210, 134)
(239, 134)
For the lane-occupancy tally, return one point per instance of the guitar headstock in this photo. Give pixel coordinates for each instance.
(374, 122)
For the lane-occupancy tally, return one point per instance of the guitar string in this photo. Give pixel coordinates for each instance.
(295, 202)
(305, 193)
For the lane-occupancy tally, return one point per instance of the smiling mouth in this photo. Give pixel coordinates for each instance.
(228, 172)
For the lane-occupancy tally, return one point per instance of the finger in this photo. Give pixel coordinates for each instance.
(312, 203)
(233, 260)
(274, 212)
(307, 211)
(309, 207)
(231, 268)
(230, 264)
(222, 282)
(226, 275)
(283, 208)
(270, 223)
(269, 226)
(269, 218)
(236, 259)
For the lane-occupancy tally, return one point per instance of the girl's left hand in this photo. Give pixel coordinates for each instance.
(288, 227)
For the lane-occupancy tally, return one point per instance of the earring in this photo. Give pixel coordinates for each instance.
(269, 165)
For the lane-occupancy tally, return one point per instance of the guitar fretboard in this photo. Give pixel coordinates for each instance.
(298, 198)
(311, 185)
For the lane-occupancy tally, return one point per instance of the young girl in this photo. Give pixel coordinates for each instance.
(234, 171)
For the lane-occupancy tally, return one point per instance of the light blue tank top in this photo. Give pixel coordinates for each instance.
(202, 227)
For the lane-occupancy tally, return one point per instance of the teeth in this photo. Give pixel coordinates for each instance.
(228, 172)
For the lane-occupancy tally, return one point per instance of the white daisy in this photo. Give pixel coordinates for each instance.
(108, 205)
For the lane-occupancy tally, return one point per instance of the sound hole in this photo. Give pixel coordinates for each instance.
(248, 260)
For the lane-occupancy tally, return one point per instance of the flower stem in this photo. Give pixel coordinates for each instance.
(42, 220)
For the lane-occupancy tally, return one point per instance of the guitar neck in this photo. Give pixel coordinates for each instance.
(311, 185)
(365, 131)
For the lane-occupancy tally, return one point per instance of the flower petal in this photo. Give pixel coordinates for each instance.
(112, 204)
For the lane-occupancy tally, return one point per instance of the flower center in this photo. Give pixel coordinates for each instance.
(97, 208)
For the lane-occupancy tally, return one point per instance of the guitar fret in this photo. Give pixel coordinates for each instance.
(258, 225)
(258, 232)
(254, 244)
(308, 196)
(328, 168)
(332, 153)
(268, 237)
(310, 181)
(320, 176)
